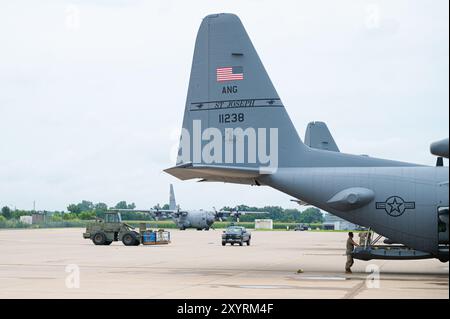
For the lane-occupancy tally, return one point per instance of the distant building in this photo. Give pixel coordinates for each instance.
(26, 219)
(333, 222)
(38, 217)
(263, 224)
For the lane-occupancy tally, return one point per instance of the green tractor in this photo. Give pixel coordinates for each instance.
(105, 231)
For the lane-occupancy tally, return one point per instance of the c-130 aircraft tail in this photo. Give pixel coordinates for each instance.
(235, 126)
(172, 202)
(236, 129)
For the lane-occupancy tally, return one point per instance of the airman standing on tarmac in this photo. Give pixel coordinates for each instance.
(349, 249)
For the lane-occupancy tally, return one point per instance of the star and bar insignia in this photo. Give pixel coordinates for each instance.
(395, 206)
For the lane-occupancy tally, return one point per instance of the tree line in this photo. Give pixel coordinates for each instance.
(87, 210)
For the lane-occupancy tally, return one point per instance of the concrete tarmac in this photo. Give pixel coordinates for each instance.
(43, 263)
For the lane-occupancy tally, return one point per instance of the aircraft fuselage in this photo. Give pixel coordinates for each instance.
(404, 206)
(198, 219)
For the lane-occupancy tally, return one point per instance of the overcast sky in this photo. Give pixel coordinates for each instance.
(83, 83)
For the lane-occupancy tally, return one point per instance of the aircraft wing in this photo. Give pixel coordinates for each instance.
(171, 212)
(249, 212)
(215, 173)
(226, 213)
(168, 212)
(150, 211)
(126, 210)
(157, 213)
(300, 202)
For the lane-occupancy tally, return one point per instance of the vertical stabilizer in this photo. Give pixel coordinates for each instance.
(318, 136)
(172, 202)
(233, 114)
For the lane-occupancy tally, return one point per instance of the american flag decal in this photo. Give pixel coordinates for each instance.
(231, 73)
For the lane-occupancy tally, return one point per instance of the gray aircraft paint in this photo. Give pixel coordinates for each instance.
(172, 201)
(396, 199)
(440, 148)
(318, 136)
(198, 219)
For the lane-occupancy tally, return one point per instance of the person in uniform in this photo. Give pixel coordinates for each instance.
(349, 249)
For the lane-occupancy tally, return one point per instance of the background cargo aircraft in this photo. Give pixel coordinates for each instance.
(198, 219)
(231, 96)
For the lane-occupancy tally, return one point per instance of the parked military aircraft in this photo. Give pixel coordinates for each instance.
(198, 219)
(236, 130)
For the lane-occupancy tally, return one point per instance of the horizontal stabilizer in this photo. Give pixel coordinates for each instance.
(241, 175)
(300, 202)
